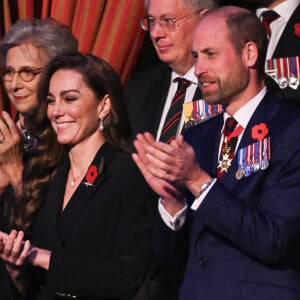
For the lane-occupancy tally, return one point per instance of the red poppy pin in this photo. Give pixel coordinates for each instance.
(297, 29)
(259, 131)
(92, 173)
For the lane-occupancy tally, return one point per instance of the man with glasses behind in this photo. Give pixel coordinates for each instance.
(149, 93)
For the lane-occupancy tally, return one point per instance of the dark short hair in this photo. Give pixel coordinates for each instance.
(243, 27)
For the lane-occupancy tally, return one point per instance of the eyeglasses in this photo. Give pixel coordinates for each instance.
(26, 74)
(168, 24)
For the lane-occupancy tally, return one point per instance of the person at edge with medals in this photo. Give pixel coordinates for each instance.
(24, 51)
(232, 184)
(92, 235)
(281, 19)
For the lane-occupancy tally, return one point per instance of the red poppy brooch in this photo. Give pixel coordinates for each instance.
(297, 29)
(93, 172)
(259, 131)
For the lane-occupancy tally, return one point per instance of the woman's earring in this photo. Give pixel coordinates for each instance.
(101, 124)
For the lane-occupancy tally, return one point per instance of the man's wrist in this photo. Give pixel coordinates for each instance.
(204, 187)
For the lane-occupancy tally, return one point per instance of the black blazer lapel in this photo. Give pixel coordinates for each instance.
(51, 210)
(84, 193)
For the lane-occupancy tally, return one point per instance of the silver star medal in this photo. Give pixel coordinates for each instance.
(293, 82)
(225, 163)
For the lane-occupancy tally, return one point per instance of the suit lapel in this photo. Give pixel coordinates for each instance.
(84, 193)
(156, 101)
(206, 142)
(198, 94)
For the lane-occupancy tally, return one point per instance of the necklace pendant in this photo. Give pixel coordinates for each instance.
(72, 183)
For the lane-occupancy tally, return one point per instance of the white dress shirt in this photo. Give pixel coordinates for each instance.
(285, 11)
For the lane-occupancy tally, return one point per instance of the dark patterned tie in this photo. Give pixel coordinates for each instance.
(170, 127)
(268, 17)
(229, 142)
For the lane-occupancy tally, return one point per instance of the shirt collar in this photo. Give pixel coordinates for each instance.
(244, 114)
(189, 75)
(284, 9)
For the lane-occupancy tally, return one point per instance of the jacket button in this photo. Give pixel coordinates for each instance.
(203, 260)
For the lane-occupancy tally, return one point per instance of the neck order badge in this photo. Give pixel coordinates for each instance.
(231, 133)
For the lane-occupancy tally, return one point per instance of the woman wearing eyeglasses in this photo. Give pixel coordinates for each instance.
(24, 51)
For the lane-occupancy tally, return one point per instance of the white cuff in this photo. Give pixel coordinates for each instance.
(201, 197)
(176, 222)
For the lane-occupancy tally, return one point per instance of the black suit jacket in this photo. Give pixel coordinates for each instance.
(102, 242)
(287, 46)
(146, 93)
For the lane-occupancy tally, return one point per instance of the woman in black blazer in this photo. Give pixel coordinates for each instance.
(92, 235)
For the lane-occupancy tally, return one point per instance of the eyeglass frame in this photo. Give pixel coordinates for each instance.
(34, 72)
(163, 25)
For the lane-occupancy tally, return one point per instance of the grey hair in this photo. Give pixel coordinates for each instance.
(195, 4)
(48, 35)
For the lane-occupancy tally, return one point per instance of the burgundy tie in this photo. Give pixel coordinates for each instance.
(170, 127)
(231, 134)
(268, 17)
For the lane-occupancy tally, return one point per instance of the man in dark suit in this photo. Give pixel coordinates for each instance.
(149, 92)
(240, 171)
(284, 46)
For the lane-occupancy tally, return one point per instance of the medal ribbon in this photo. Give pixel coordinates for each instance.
(236, 132)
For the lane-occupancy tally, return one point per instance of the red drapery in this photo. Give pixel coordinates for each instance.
(107, 28)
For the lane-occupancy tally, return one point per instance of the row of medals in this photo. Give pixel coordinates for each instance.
(252, 167)
(283, 82)
(245, 169)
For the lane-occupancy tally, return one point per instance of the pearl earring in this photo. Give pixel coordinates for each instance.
(101, 124)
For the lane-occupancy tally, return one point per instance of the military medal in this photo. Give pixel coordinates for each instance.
(293, 82)
(225, 162)
(264, 164)
(285, 71)
(283, 82)
(255, 156)
(247, 166)
(240, 172)
(198, 111)
(255, 166)
(247, 170)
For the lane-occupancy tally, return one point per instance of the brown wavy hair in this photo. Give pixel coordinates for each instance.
(38, 171)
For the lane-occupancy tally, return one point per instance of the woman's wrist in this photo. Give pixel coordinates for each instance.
(40, 257)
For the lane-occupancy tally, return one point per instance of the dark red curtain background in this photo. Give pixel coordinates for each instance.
(107, 28)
